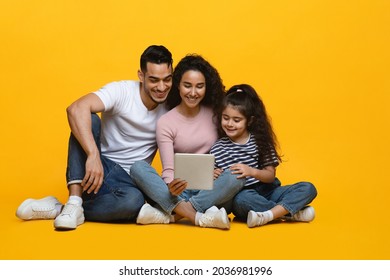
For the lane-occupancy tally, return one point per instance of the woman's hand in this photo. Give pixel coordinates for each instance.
(177, 186)
(217, 172)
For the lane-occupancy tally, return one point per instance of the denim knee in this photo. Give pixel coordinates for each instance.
(309, 189)
(138, 167)
(75, 170)
(131, 203)
(122, 205)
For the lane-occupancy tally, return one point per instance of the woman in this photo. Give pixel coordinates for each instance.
(189, 127)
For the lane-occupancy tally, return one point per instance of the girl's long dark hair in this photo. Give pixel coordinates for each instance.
(244, 98)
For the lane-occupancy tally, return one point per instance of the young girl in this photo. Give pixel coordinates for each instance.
(248, 148)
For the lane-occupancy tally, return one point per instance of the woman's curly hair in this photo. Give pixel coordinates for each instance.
(215, 90)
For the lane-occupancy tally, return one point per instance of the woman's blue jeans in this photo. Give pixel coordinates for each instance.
(264, 197)
(118, 199)
(154, 187)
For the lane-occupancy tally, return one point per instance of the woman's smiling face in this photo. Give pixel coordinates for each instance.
(192, 89)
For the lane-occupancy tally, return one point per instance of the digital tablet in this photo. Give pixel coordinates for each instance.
(196, 169)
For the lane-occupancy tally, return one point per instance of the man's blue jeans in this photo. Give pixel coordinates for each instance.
(118, 198)
(264, 197)
(154, 187)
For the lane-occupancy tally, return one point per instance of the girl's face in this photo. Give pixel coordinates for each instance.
(235, 125)
(192, 89)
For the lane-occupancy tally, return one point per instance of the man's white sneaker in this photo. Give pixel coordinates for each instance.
(70, 217)
(214, 218)
(150, 215)
(306, 214)
(255, 219)
(38, 209)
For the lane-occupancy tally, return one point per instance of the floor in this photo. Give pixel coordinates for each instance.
(347, 237)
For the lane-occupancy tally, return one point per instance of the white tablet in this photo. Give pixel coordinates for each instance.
(196, 169)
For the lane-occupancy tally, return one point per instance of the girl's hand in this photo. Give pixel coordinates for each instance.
(242, 169)
(177, 186)
(217, 173)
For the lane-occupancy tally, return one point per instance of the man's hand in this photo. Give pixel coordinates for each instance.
(94, 174)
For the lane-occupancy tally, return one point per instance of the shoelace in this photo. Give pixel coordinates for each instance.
(212, 219)
(68, 209)
(159, 217)
(42, 211)
(261, 219)
(208, 220)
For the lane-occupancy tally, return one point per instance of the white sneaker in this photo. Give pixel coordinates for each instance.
(255, 219)
(214, 218)
(212, 209)
(38, 209)
(150, 215)
(306, 214)
(71, 216)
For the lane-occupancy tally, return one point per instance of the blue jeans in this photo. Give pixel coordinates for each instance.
(154, 187)
(118, 199)
(264, 197)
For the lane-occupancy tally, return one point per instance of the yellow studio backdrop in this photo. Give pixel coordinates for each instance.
(321, 67)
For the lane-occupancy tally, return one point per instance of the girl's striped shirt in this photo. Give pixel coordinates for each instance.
(227, 153)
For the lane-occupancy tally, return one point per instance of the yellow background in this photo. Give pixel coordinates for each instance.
(322, 68)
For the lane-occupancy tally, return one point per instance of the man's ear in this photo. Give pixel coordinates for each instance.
(141, 76)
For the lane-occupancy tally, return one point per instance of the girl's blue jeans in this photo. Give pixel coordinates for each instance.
(264, 197)
(118, 199)
(154, 187)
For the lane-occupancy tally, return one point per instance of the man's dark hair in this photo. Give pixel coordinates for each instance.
(157, 55)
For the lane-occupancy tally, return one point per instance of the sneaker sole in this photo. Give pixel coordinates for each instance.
(67, 225)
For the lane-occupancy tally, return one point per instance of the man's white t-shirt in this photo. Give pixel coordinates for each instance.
(128, 127)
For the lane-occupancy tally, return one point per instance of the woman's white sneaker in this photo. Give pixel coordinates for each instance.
(150, 215)
(214, 218)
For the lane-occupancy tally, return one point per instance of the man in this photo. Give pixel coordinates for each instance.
(99, 159)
